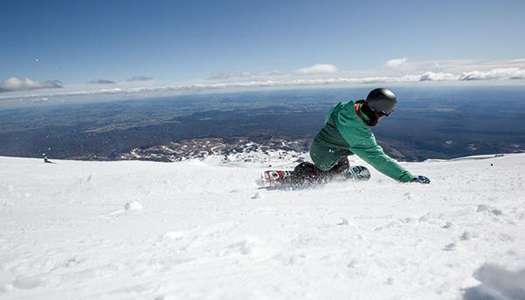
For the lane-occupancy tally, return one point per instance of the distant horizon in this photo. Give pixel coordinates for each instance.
(68, 95)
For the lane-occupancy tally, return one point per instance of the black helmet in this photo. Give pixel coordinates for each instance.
(381, 101)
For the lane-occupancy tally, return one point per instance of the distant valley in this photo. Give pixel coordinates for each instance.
(430, 122)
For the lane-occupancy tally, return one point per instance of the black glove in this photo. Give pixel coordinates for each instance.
(421, 179)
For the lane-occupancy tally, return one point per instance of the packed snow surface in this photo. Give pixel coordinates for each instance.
(202, 230)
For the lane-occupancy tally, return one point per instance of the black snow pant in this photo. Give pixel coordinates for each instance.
(308, 171)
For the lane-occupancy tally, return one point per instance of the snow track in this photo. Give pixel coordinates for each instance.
(201, 230)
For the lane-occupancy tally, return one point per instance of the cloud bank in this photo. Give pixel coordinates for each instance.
(405, 71)
(13, 84)
(432, 76)
(495, 74)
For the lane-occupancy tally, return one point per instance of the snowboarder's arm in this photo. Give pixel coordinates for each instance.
(373, 154)
(363, 143)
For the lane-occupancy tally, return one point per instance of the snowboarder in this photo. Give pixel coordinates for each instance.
(346, 132)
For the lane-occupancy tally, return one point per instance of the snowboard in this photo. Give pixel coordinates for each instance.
(284, 179)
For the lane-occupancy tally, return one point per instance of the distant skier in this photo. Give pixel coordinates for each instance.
(346, 132)
(46, 160)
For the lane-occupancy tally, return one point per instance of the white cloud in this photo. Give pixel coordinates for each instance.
(439, 76)
(396, 62)
(494, 74)
(318, 69)
(25, 84)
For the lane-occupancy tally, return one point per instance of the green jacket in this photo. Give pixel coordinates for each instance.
(345, 133)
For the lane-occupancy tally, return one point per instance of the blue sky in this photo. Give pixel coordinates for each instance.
(83, 41)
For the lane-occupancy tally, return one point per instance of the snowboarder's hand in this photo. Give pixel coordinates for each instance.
(421, 179)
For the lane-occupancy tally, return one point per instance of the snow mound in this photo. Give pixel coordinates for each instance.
(497, 283)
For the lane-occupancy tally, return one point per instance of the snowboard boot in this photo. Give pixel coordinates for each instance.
(306, 172)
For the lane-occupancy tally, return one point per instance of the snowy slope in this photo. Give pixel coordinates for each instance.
(202, 230)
